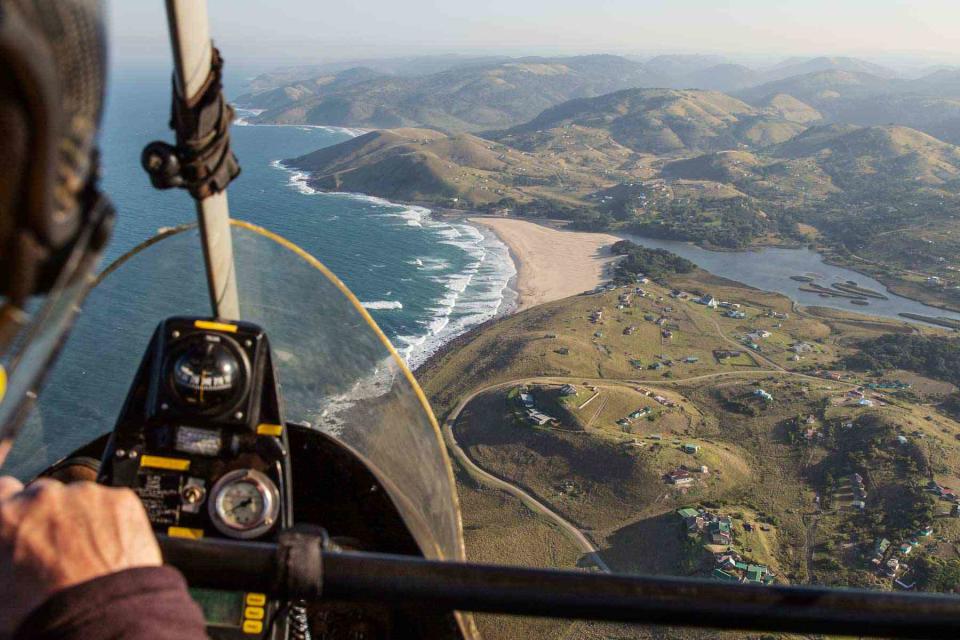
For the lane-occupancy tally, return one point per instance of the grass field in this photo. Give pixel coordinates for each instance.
(603, 469)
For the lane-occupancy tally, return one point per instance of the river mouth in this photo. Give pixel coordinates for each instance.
(803, 276)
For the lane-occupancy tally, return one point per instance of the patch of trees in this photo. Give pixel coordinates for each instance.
(731, 223)
(933, 356)
(655, 263)
(936, 574)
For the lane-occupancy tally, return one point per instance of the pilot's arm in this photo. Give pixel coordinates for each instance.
(80, 561)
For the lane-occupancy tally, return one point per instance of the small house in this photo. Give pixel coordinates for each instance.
(679, 477)
(689, 447)
(568, 390)
(763, 395)
(720, 531)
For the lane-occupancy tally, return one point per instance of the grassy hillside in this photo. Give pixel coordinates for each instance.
(458, 171)
(602, 466)
(657, 121)
(471, 97)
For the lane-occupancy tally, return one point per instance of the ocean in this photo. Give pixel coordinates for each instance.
(425, 280)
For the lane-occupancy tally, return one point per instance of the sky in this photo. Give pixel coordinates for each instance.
(264, 33)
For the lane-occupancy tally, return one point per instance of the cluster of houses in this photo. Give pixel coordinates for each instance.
(732, 568)
(859, 492)
(888, 559)
(533, 415)
(666, 402)
(715, 529)
(945, 493)
(635, 415)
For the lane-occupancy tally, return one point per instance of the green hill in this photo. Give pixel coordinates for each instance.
(658, 121)
(893, 152)
(426, 165)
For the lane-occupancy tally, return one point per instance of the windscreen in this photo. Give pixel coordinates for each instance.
(337, 370)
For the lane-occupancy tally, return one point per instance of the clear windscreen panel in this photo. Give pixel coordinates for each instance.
(337, 370)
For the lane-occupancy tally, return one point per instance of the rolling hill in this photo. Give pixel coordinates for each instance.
(426, 165)
(799, 66)
(658, 121)
(894, 152)
(471, 97)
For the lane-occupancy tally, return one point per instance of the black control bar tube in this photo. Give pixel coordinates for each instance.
(443, 586)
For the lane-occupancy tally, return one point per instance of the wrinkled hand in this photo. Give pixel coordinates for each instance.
(54, 536)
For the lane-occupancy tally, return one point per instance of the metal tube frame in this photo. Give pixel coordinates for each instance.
(192, 56)
(414, 582)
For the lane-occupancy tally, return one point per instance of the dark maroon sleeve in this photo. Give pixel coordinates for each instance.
(149, 603)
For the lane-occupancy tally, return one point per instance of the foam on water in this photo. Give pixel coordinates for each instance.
(383, 304)
(474, 287)
(242, 115)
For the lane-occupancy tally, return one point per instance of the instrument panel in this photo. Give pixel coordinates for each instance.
(201, 441)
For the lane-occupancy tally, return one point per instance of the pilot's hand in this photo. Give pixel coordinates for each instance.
(54, 536)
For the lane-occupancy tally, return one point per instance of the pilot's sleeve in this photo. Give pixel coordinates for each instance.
(149, 603)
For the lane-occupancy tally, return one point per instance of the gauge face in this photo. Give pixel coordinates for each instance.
(207, 373)
(245, 504)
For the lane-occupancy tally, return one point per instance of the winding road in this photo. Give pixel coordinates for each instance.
(481, 475)
(532, 503)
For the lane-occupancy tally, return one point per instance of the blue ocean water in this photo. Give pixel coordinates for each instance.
(424, 280)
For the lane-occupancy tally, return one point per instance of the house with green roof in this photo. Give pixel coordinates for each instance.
(880, 546)
(688, 512)
(756, 572)
(720, 532)
(720, 574)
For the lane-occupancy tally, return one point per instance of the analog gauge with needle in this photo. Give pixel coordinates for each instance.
(245, 504)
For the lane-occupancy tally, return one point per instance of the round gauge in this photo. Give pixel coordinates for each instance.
(207, 373)
(244, 504)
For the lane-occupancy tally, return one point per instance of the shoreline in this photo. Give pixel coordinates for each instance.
(551, 263)
(453, 313)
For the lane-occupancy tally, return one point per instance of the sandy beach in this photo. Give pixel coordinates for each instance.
(552, 264)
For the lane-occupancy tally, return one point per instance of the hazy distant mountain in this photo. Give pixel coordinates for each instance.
(299, 91)
(797, 67)
(930, 104)
(403, 66)
(721, 77)
(659, 121)
(467, 98)
(675, 66)
(821, 89)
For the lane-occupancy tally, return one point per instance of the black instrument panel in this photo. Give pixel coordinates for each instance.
(201, 440)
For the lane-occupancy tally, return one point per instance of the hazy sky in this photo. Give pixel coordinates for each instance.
(280, 31)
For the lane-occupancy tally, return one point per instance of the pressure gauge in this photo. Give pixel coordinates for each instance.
(244, 504)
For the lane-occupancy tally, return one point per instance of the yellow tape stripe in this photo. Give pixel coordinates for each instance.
(184, 532)
(3, 382)
(215, 326)
(159, 462)
(269, 430)
(461, 552)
